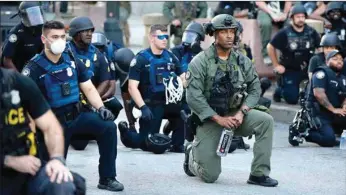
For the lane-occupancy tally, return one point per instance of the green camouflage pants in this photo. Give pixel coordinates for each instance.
(265, 25)
(206, 164)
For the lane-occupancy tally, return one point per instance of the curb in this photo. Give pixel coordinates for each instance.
(283, 114)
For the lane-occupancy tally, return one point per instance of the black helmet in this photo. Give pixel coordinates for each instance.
(99, 39)
(30, 13)
(80, 23)
(298, 9)
(158, 143)
(330, 39)
(123, 58)
(333, 5)
(196, 28)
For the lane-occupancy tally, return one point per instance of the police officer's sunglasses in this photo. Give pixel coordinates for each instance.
(161, 37)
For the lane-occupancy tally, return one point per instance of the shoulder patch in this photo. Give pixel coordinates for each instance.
(133, 62)
(112, 66)
(13, 38)
(320, 74)
(26, 72)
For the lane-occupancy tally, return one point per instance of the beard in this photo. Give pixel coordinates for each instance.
(335, 68)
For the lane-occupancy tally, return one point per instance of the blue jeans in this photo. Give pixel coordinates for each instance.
(39, 184)
(288, 87)
(89, 125)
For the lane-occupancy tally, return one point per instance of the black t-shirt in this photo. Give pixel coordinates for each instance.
(32, 100)
(22, 44)
(316, 61)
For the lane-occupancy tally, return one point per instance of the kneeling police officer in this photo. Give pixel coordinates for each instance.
(222, 88)
(60, 77)
(329, 42)
(297, 43)
(326, 94)
(22, 172)
(156, 87)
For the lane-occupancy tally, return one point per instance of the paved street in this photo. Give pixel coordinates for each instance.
(308, 169)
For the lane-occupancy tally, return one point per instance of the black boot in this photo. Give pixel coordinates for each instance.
(110, 184)
(262, 181)
(187, 171)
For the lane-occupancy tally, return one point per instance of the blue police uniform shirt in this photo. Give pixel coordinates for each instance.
(319, 60)
(100, 68)
(110, 61)
(332, 89)
(139, 69)
(22, 44)
(36, 73)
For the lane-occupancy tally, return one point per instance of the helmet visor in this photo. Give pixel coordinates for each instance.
(189, 37)
(32, 16)
(99, 39)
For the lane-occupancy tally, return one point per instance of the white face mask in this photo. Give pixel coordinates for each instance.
(58, 46)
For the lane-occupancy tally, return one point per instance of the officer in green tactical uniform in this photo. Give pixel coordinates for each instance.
(214, 81)
(184, 13)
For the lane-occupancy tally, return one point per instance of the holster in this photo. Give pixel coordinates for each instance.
(71, 115)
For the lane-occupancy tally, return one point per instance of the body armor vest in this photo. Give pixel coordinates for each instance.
(301, 47)
(160, 70)
(61, 81)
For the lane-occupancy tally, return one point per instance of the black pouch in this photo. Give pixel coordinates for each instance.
(65, 89)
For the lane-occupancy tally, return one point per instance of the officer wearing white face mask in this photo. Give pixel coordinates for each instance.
(61, 77)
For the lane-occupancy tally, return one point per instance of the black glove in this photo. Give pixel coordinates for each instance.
(105, 114)
(146, 113)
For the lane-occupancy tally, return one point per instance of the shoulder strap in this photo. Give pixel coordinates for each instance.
(147, 55)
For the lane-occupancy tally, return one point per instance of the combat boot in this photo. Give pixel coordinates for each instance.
(110, 184)
(265, 181)
(187, 171)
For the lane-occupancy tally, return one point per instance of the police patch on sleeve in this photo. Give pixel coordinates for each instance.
(320, 74)
(26, 72)
(13, 38)
(133, 62)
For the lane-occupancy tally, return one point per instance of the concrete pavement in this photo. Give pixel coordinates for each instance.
(308, 170)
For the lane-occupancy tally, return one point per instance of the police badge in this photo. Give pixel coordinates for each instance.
(293, 45)
(69, 71)
(320, 74)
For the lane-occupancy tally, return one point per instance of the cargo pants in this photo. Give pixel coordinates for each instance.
(206, 164)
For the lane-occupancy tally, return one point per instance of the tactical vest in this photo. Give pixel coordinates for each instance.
(331, 76)
(301, 47)
(16, 136)
(225, 83)
(160, 70)
(61, 81)
(89, 58)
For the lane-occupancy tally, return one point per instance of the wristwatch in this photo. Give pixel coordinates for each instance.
(245, 111)
(59, 158)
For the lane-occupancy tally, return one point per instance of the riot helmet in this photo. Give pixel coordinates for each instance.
(334, 10)
(99, 39)
(30, 13)
(298, 9)
(192, 37)
(79, 24)
(330, 39)
(122, 59)
(158, 143)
